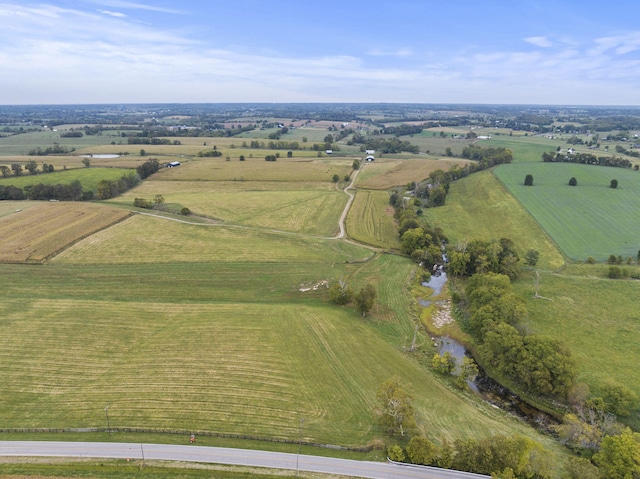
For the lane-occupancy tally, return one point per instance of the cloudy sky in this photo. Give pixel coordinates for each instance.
(419, 51)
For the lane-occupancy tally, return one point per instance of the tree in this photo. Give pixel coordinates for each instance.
(5, 172)
(32, 167)
(340, 293)
(142, 152)
(365, 299)
(531, 257)
(17, 169)
(398, 414)
(619, 399)
(573, 182)
(619, 456)
(289, 154)
(528, 180)
(421, 451)
(581, 468)
(335, 178)
(614, 184)
(86, 161)
(445, 363)
(241, 157)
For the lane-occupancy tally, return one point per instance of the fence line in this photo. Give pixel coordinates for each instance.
(184, 432)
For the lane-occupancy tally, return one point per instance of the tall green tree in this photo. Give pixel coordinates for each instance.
(619, 456)
(365, 299)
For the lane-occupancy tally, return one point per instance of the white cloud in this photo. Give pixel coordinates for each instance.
(403, 52)
(136, 6)
(113, 14)
(542, 42)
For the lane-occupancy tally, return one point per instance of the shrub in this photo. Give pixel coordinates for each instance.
(573, 182)
(142, 203)
(395, 453)
(615, 272)
(614, 184)
(185, 211)
(528, 180)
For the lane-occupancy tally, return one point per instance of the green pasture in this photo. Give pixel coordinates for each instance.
(21, 144)
(526, 149)
(590, 219)
(89, 177)
(371, 220)
(594, 317)
(311, 208)
(214, 345)
(480, 207)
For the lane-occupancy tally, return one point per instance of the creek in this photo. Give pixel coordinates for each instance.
(483, 385)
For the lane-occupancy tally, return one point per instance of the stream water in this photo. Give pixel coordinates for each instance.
(487, 388)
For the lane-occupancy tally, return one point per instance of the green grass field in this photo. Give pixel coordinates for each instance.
(479, 207)
(590, 219)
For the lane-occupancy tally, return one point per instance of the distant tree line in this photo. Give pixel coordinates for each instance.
(585, 159)
(56, 149)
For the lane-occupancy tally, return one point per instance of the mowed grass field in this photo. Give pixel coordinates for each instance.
(384, 174)
(590, 219)
(371, 220)
(480, 207)
(289, 195)
(155, 321)
(39, 232)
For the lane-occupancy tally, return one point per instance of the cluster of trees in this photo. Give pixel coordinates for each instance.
(56, 149)
(214, 153)
(111, 188)
(10, 192)
(624, 151)
(479, 257)
(271, 157)
(148, 168)
(499, 456)
(447, 365)
(70, 192)
(71, 134)
(402, 130)
(540, 365)
(487, 157)
(586, 159)
(341, 293)
(418, 239)
(390, 145)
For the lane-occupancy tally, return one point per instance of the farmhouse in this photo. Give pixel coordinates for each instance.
(370, 152)
(173, 164)
(370, 158)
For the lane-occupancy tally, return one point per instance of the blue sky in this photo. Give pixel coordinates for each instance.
(121, 51)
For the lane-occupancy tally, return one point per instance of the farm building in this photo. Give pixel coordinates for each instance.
(173, 164)
(370, 158)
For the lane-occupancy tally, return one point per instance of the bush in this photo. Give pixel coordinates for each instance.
(528, 180)
(142, 203)
(614, 184)
(185, 211)
(615, 272)
(395, 453)
(573, 182)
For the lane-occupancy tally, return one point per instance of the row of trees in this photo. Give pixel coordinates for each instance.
(540, 365)
(479, 256)
(586, 159)
(31, 166)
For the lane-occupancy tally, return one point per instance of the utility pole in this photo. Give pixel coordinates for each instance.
(299, 446)
(106, 411)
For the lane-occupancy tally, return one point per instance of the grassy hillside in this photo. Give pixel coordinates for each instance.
(478, 206)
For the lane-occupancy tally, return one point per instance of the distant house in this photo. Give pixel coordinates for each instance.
(571, 151)
(173, 164)
(329, 152)
(370, 158)
(370, 152)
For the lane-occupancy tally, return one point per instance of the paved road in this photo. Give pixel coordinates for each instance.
(221, 455)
